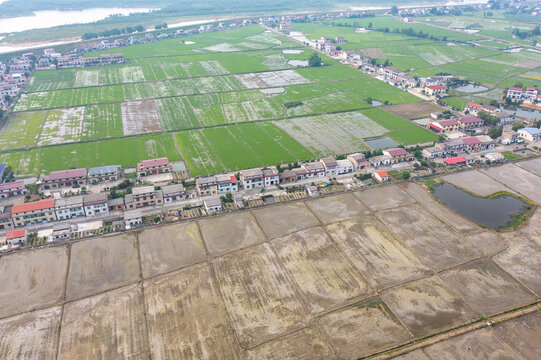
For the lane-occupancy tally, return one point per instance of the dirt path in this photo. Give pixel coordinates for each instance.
(482, 323)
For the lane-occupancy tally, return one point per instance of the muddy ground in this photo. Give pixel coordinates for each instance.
(414, 110)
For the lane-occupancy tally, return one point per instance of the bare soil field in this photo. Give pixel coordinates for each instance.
(449, 217)
(259, 295)
(426, 306)
(30, 336)
(384, 197)
(101, 264)
(373, 53)
(31, 284)
(437, 244)
(230, 232)
(412, 111)
(105, 326)
(486, 288)
(305, 344)
(336, 208)
(476, 182)
(170, 248)
(363, 328)
(523, 333)
(284, 219)
(489, 242)
(325, 277)
(518, 179)
(187, 318)
(533, 166)
(532, 228)
(140, 117)
(377, 253)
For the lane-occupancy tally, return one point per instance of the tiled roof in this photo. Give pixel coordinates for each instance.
(12, 185)
(16, 233)
(455, 160)
(66, 174)
(153, 163)
(32, 206)
(382, 174)
(469, 119)
(396, 152)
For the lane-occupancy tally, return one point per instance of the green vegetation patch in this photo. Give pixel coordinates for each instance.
(71, 156)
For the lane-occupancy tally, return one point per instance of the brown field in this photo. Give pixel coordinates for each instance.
(532, 228)
(424, 198)
(489, 242)
(284, 219)
(518, 179)
(140, 116)
(377, 253)
(100, 264)
(479, 344)
(31, 335)
(533, 166)
(414, 110)
(414, 355)
(373, 53)
(426, 306)
(230, 232)
(476, 182)
(384, 197)
(170, 247)
(363, 328)
(325, 277)
(486, 288)
(437, 244)
(336, 208)
(33, 280)
(105, 326)
(187, 318)
(306, 344)
(259, 295)
(523, 333)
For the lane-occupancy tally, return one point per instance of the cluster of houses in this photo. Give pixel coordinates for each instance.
(457, 146)
(529, 95)
(432, 85)
(13, 76)
(51, 60)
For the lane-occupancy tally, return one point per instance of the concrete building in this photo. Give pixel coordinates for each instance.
(271, 176)
(154, 167)
(15, 188)
(252, 178)
(61, 232)
(213, 205)
(495, 157)
(398, 155)
(69, 207)
(530, 134)
(206, 186)
(313, 169)
(380, 176)
(133, 219)
(63, 178)
(358, 160)
(17, 236)
(172, 193)
(5, 218)
(103, 173)
(435, 90)
(470, 122)
(143, 196)
(432, 152)
(444, 126)
(344, 167)
(331, 167)
(116, 204)
(380, 160)
(95, 204)
(227, 184)
(511, 137)
(33, 212)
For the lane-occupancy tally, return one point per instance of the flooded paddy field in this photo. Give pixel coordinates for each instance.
(337, 277)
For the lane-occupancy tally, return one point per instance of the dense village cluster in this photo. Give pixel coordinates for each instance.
(13, 76)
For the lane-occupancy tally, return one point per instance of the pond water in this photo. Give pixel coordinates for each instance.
(376, 103)
(470, 88)
(292, 51)
(533, 114)
(298, 63)
(380, 143)
(494, 213)
(523, 151)
(47, 19)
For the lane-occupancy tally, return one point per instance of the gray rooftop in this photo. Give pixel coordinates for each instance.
(68, 201)
(133, 214)
(172, 189)
(94, 197)
(142, 190)
(100, 170)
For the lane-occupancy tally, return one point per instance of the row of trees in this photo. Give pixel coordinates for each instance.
(113, 32)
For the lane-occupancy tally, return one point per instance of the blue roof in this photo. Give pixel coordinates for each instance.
(2, 167)
(103, 170)
(532, 130)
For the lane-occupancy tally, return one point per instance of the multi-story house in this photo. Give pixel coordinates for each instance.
(15, 188)
(472, 143)
(143, 196)
(154, 167)
(252, 178)
(358, 160)
(227, 184)
(16, 236)
(398, 155)
(33, 212)
(69, 207)
(172, 193)
(206, 186)
(313, 169)
(444, 126)
(64, 178)
(95, 204)
(271, 176)
(530, 134)
(5, 218)
(344, 167)
(331, 167)
(103, 173)
(470, 122)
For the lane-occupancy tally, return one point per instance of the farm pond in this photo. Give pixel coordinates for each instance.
(497, 212)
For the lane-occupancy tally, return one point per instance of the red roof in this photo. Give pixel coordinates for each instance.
(469, 119)
(531, 88)
(435, 87)
(515, 89)
(66, 174)
(470, 140)
(153, 163)
(434, 126)
(14, 234)
(32, 206)
(396, 152)
(382, 174)
(233, 179)
(12, 185)
(449, 122)
(474, 105)
(455, 160)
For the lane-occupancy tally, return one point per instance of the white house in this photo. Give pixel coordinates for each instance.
(133, 218)
(344, 167)
(271, 176)
(95, 204)
(69, 207)
(213, 205)
(529, 134)
(380, 176)
(380, 160)
(173, 192)
(16, 236)
(331, 167)
(313, 169)
(252, 178)
(227, 183)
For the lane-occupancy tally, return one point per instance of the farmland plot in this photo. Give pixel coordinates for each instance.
(213, 67)
(110, 120)
(21, 129)
(22, 162)
(69, 156)
(217, 84)
(157, 146)
(43, 100)
(90, 123)
(194, 69)
(303, 138)
(210, 115)
(113, 152)
(233, 112)
(140, 117)
(281, 137)
(153, 71)
(62, 126)
(174, 71)
(86, 78)
(184, 87)
(84, 96)
(266, 38)
(198, 153)
(222, 47)
(51, 80)
(251, 81)
(176, 114)
(131, 74)
(112, 93)
(276, 62)
(233, 151)
(267, 109)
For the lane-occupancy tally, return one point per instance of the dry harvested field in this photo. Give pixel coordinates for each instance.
(140, 117)
(476, 182)
(339, 277)
(414, 110)
(518, 179)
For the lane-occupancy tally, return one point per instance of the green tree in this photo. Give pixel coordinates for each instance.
(394, 10)
(495, 131)
(314, 60)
